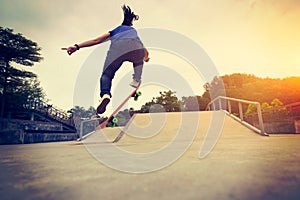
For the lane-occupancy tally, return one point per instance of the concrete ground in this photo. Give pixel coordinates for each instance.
(242, 165)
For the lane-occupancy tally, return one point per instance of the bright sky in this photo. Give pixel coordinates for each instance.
(259, 37)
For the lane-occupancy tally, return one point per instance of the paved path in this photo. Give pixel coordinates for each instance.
(242, 165)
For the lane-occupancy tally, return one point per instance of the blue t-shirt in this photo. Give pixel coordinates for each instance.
(123, 32)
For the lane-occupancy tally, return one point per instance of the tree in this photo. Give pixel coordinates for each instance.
(169, 101)
(195, 103)
(250, 87)
(276, 103)
(17, 49)
(251, 108)
(124, 116)
(265, 106)
(215, 88)
(29, 90)
(190, 103)
(81, 112)
(166, 102)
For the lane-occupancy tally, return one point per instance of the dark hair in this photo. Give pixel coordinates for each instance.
(129, 16)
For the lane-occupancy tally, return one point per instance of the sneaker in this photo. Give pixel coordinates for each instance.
(135, 83)
(103, 103)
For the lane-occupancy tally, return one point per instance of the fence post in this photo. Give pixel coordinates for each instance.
(229, 106)
(81, 129)
(260, 119)
(220, 104)
(241, 111)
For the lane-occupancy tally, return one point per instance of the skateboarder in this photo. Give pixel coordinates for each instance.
(125, 46)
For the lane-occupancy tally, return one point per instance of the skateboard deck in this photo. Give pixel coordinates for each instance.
(134, 94)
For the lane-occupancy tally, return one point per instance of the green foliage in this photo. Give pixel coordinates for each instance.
(215, 88)
(251, 108)
(17, 86)
(190, 103)
(265, 106)
(194, 103)
(81, 112)
(275, 106)
(124, 116)
(250, 87)
(272, 112)
(166, 102)
(276, 102)
(18, 49)
(29, 91)
(11, 78)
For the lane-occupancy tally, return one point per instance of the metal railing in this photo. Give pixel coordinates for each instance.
(51, 111)
(294, 110)
(225, 103)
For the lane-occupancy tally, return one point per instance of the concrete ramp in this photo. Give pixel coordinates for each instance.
(178, 154)
(155, 140)
(158, 129)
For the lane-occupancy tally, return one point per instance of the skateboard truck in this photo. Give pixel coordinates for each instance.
(136, 95)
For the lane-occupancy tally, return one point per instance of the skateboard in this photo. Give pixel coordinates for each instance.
(112, 119)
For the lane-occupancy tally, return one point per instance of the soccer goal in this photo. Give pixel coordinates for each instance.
(87, 127)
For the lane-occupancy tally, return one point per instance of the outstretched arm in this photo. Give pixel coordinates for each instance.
(87, 43)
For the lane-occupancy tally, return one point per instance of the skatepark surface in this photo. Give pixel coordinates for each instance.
(160, 156)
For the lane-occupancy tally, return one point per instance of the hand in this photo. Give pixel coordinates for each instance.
(146, 59)
(70, 49)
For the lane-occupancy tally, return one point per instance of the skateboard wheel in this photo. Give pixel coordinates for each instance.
(115, 120)
(139, 93)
